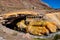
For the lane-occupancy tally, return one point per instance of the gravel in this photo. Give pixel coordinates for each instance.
(1, 38)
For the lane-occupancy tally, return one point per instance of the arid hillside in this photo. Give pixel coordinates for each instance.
(23, 4)
(12, 5)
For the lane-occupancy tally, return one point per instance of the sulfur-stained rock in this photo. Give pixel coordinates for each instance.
(51, 26)
(31, 23)
(35, 30)
(38, 27)
(21, 24)
(54, 17)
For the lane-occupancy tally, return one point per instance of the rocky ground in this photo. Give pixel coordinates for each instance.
(8, 34)
(17, 5)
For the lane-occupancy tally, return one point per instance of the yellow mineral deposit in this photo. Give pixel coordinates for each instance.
(38, 27)
(51, 26)
(35, 26)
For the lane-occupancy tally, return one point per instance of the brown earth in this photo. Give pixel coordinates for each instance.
(14, 5)
(23, 5)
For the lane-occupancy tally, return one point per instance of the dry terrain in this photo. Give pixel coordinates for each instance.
(7, 6)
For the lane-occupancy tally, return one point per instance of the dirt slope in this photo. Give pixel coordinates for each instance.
(23, 3)
(17, 5)
(13, 5)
